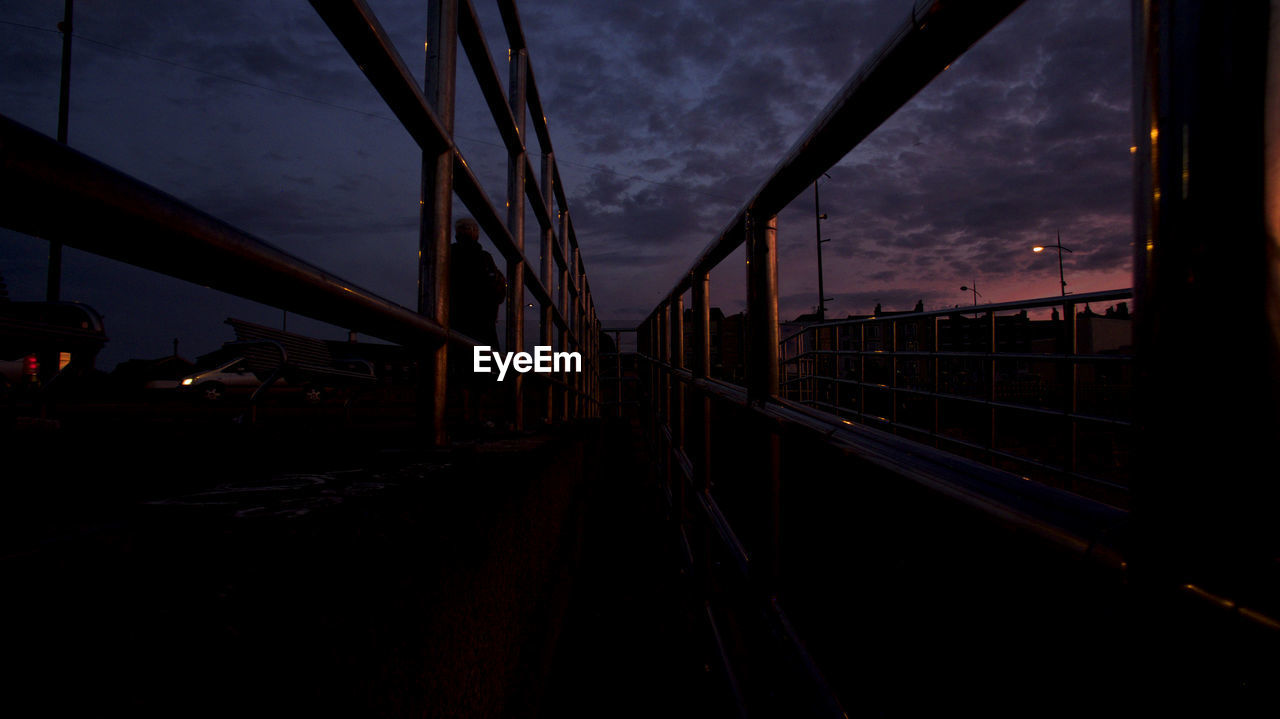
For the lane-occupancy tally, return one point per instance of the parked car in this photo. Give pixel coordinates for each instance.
(236, 377)
(230, 377)
(19, 373)
(153, 377)
(44, 341)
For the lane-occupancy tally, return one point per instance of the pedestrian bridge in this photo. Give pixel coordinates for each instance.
(822, 538)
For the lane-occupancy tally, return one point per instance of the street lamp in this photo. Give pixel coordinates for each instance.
(974, 290)
(1058, 246)
(818, 217)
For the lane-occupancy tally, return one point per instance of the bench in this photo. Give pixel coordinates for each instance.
(300, 359)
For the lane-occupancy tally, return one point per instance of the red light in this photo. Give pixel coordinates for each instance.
(30, 365)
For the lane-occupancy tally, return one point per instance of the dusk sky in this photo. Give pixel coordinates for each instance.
(666, 115)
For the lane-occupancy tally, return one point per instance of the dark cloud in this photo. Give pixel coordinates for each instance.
(665, 115)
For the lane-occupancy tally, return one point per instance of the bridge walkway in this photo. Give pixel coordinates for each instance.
(631, 644)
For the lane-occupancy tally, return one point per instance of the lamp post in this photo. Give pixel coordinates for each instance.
(1058, 246)
(974, 290)
(818, 217)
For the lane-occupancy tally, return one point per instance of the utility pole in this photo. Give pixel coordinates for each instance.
(53, 284)
(818, 217)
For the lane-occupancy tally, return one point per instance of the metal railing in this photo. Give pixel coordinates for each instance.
(1047, 396)
(51, 191)
(698, 463)
(751, 476)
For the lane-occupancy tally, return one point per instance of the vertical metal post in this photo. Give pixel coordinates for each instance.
(642, 373)
(762, 308)
(701, 425)
(862, 371)
(435, 218)
(588, 367)
(565, 311)
(1071, 405)
(702, 370)
(515, 224)
(579, 330)
(594, 377)
(664, 360)
(834, 374)
(53, 283)
(617, 369)
(814, 375)
(893, 379)
(937, 382)
(665, 383)
(545, 322)
(655, 335)
(677, 362)
(1207, 272)
(762, 375)
(575, 298)
(642, 364)
(651, 337)
(590, 361)
(991, 390)
(596, 394)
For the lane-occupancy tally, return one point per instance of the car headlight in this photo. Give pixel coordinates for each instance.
(186, 382)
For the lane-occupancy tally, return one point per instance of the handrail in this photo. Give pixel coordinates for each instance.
(59, 194)
(683, 402)
(354, 24)
(52, 191)
(1073, 299)
(1202, 277)
(922, 47)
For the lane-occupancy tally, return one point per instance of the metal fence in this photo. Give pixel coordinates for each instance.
(1042, 387)
(778, 483)
(51, 191)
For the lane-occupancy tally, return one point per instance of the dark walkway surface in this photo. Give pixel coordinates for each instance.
(629, 647)
(285, 571)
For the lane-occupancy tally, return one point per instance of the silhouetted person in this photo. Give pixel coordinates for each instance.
(476, 290)
(476, 286)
